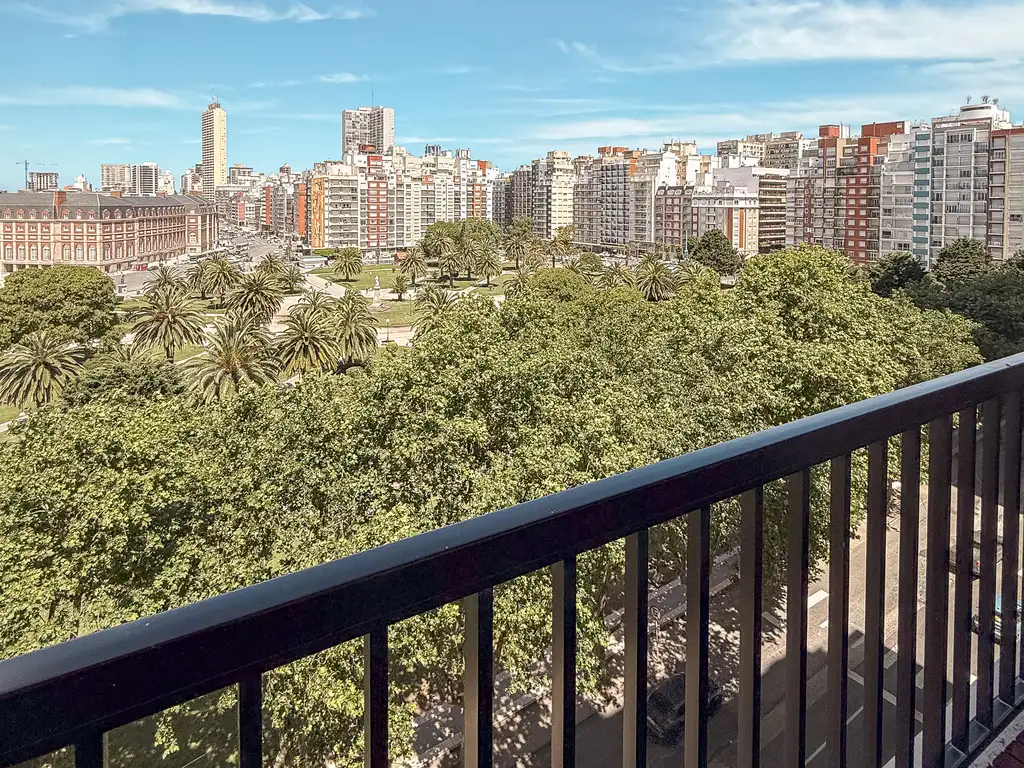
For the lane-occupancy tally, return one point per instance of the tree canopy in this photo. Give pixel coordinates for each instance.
(963, 259)
(713, 249)
(894, 271)
(73, 303)
(172, 501)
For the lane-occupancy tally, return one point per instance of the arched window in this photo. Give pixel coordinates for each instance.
(9, 253)
(79, 253)
(92, 253)
(46, 253)
(120, 250)
(67, 253)
(33, 253)
(131, 250)
(117, 214)
(21, 214)
(106, 252)
(21, 253)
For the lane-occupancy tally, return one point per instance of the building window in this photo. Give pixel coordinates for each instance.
(33, 253)
(79, 253)
(1016, 218)
(131, 250)
(119, 248)
(9, 253)
(67, 253)
(92, 253)
(21, 253)
(46, 253)
(106, 252)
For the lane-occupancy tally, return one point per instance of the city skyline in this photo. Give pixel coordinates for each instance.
(510, 89)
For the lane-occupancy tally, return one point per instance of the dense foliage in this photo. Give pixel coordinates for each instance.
(72, 303)
(111, 510)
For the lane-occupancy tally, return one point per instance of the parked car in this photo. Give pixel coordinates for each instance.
(997, 624)
(666, 707)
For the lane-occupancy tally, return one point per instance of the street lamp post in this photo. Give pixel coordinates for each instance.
(387, 325)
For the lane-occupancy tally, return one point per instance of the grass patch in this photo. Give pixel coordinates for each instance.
(364, 280)
(400, 313)
(189, 350)
(8, 413)
(497, 287)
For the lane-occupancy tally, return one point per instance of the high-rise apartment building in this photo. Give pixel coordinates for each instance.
(146, 179)
(554, 181)
(215, 149)
(520, 192)
(42, 181)
(769, 185)
(366, 127)
(116, 177)
(1006, 193)
(905, 208)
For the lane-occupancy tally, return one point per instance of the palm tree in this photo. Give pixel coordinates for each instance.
(307, 344)
(315, 303)
(163, 277)
(37, 369)
(238, 352)
(197, 277)
(349, 263)
(257, 296)
(467, 251)
(654, 279)
(169, 319)
(431, 303)
(400, 284)
(292, 277)
(414, 264)
(488, 264)
(354, 328)
(616, 276)
(518, 284)
(692, 269)
(438, 240)
(221, 277)
(128, 353)
(271, 263)
(517, 240)
(449, 266)
(562, 243)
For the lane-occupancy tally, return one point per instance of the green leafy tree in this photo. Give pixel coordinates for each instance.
(354, 328)
(71, 302)
(963, 259)
(168, 319)
(132, 376)
(995, 301)
(414, 264)
(716, 251)
(238, 353)
(257, 295)
(517, 240)
(307, 344)
(654, 279)
(35, 370)
(895, 271)
(349, 263)
(400, 285)
(558, 284)
(221, 277)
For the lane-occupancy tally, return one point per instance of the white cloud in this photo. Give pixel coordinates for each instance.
(792, 30)
(110, 141)
(276, 84)
(96, 15)
(342, 77)
(92, 96)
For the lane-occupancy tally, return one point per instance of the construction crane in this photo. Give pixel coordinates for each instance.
(26, 164)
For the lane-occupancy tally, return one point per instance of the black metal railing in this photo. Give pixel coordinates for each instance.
(73, 693)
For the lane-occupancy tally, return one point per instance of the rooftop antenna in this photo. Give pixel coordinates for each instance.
(372, 102)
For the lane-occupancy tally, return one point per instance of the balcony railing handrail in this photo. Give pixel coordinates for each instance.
(55, 696)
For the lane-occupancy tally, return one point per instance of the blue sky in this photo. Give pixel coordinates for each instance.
(92, 81)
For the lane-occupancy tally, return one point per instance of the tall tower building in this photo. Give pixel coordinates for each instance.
(367, 125)
(215, 148)
(145, 179)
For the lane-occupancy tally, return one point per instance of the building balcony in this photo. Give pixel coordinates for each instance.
(73, 693)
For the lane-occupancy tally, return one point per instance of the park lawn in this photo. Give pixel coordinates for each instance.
(497, 287)
(364, 280)
(8, 413)
(189, 350)
(400, 313)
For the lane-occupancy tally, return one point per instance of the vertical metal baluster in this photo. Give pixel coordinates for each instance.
(933, 709)
(751, 563)
(250, 720)
(375, 697)
(838, 608)
(987, 588)
(963, 595)
(906, 636)
(563, 664)
(1011, 535)
(874, 600)
(796, 616)
(90, 752)
(698, 567)
(478, 684)
(634, 713)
